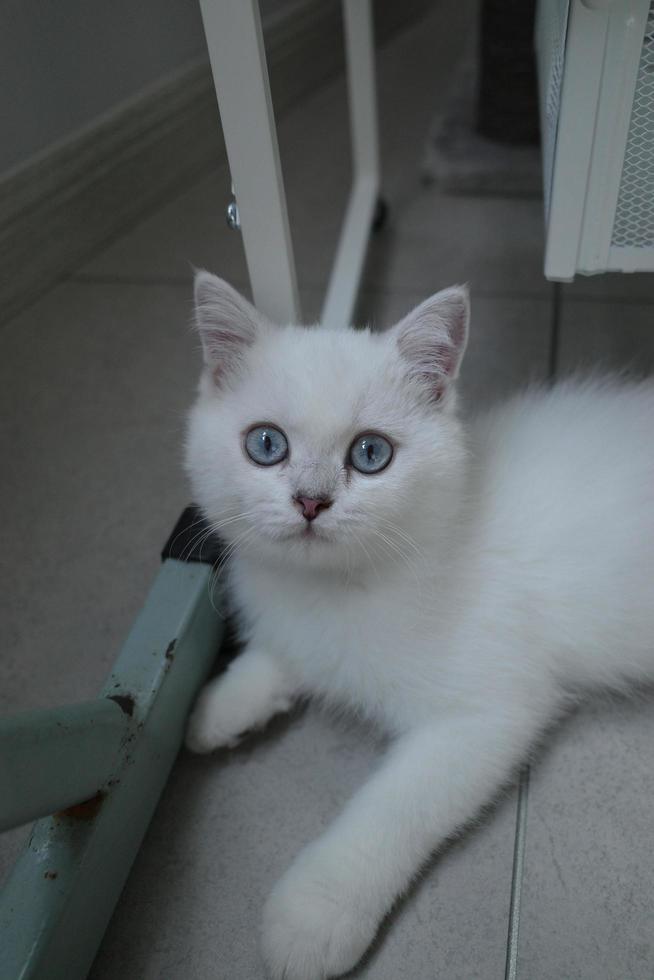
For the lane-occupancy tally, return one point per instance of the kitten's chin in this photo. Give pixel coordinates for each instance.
(308, 536)
(309, 548)
(307, 545)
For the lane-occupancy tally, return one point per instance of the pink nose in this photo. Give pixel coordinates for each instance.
(310, 506)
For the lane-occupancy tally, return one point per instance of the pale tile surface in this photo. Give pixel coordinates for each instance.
(607, 335)
(93, 432)
(587, 910)
(616, 286)
(190, 231)
(508, 346)
(494, 244)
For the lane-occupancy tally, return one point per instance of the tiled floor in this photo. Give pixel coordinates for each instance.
(95, 379)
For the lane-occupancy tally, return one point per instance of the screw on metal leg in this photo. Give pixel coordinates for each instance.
(233, 217)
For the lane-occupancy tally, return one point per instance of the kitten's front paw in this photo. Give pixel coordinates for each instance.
(203, 735)
(310, 929)
(213, 723)
(225, 712)
(245, 697)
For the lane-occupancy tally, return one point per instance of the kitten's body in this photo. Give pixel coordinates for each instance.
(459, 601)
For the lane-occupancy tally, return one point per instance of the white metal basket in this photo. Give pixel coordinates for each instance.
(596, 92)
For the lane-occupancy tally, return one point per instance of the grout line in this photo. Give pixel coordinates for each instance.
(481, 292)
(511, 969)
(519, 847)
(555, 332)
(616, 300)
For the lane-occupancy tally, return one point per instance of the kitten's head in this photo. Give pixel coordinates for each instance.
(326, 448)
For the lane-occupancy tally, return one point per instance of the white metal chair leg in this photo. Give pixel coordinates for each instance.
(238, 64)
(350, 256)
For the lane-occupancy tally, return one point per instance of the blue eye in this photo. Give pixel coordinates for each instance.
(370, 453)
(266, 445)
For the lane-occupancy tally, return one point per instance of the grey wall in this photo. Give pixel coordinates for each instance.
(65, 62)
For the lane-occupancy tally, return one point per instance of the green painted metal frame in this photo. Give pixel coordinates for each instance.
(52, 759)
(63, 888)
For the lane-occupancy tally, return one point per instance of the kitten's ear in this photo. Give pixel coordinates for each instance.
(432, 339)
(226, 322)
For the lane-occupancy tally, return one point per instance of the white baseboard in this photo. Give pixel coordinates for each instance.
(61, 207)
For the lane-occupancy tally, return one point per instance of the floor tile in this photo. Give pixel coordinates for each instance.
(607, 336)
(189, 231)
(587, 908)
(636, 287)
(587, 892)
(508, 346)
(415, 78)
(95, 384)
(229, 825)
(434, 240)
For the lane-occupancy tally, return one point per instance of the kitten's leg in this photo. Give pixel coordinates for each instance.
(254, 688)
(324, 912)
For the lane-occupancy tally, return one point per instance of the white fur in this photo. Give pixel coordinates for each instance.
(460, 597)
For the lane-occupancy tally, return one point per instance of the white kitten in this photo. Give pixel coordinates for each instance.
(459, 587)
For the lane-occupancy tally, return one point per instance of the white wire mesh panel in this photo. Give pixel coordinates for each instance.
(634, 215)
(554, 27)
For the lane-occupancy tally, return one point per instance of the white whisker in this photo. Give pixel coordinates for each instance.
(395, 551)
(371, 560)
(390, 526)
(221, 562)
(206, 532)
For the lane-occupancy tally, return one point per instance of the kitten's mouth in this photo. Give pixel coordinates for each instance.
(308, 533)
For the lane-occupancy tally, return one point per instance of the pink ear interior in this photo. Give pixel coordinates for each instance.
(432, 339)
(223, 350)
(226, 322)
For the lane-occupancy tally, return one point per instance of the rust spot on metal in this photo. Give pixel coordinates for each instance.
(125, 702)
(51, 875)
(86, 810)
